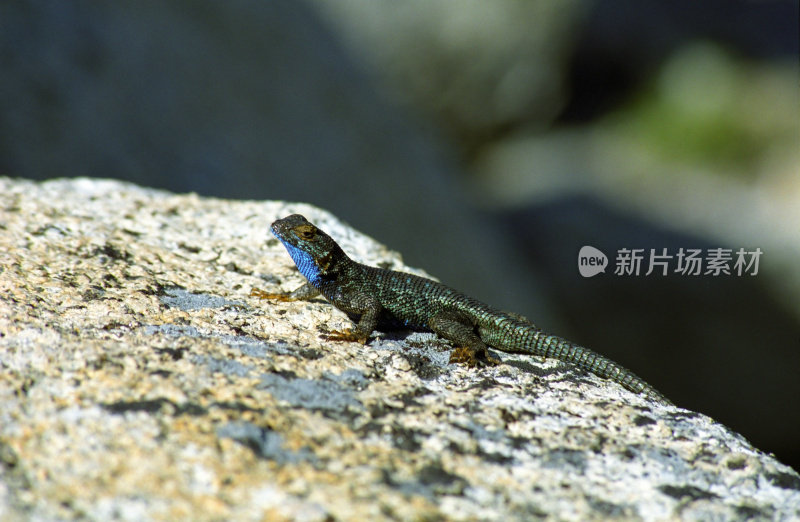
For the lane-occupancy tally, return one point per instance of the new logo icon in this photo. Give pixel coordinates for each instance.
(591, 261)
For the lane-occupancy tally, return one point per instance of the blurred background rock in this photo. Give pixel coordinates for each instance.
(487, 141)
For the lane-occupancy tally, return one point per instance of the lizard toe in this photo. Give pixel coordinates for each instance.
(463, 355)
(345, 336)
(261, 294)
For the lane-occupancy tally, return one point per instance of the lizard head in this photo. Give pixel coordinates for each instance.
(312, 250)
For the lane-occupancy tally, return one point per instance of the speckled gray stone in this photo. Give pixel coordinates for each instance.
(138, 380)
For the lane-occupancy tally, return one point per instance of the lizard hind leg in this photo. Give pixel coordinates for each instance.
(470, 350)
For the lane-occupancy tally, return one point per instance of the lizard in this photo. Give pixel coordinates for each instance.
(381, 299)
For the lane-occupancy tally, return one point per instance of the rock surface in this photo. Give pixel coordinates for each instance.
(138, 380)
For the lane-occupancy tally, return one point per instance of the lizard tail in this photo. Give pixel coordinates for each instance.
(564, 350)
(536, 342)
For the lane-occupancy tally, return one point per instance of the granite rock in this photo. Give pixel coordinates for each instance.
(139, 380)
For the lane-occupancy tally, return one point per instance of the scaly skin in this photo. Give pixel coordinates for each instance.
(379, 299)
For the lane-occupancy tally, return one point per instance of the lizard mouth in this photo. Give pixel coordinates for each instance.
(277, 230)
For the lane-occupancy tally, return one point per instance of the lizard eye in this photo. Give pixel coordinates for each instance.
(306, 232)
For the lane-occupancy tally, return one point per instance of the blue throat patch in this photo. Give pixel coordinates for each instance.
(305, 263)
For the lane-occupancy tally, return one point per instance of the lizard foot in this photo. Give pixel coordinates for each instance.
(469, 357)
(345, 336)
(257, 292)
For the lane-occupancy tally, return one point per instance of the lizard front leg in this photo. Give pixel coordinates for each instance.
(304, 293)
(365, 307)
